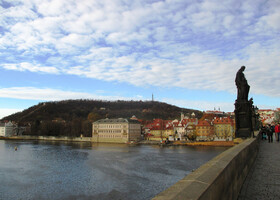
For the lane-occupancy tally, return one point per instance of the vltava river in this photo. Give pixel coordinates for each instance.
(84, 171)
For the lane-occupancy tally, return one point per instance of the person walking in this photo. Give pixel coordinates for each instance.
(269, 133)
(263, 133)
(272, 127)
(277, 131)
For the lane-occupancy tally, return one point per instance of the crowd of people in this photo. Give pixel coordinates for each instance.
(268, 131)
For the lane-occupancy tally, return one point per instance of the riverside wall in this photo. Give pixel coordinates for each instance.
(69, 139)
(49, 138)
(121, 140)
(220, 178)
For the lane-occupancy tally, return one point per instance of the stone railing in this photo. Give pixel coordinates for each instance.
(220, 178)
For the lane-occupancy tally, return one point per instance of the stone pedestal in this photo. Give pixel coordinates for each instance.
(243, 118)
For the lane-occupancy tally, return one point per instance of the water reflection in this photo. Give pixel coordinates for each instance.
(67, 170)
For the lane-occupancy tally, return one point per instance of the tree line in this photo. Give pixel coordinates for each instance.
(74, 128)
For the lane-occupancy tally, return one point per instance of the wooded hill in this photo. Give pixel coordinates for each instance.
(74, 117)
(69, 110)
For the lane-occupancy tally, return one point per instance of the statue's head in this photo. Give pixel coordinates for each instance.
(243, 68)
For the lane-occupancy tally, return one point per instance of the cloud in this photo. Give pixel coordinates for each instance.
(188, 44)
(46, 94)
(6, 111)
(30, 67)
(49, 94)
(201, 105)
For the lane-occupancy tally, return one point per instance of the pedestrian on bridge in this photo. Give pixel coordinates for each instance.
(263, 133)
(272, 127)
(277, 131)
(270, 133)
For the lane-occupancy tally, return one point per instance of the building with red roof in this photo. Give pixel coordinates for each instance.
(223, 129)
(204, 130)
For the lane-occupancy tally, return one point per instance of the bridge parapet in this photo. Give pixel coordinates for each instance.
(220, 178)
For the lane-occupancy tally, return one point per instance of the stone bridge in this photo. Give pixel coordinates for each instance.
(220, 178)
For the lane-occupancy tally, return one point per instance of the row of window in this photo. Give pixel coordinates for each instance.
(134, 126)
(202, 132)
(222, 130)
(110, 136)
(109, 131)
(110, 126)
(203, 127)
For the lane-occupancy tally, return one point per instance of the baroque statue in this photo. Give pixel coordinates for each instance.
(242, 85)
(244, 114)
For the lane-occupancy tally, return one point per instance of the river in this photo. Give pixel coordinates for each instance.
(85, 171)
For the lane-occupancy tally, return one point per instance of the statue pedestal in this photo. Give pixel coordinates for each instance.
(243, 118)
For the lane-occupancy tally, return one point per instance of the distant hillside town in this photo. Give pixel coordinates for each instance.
(214, 125)
(269, 116)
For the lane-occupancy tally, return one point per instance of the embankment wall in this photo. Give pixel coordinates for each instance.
(50, 138)
(109, 140)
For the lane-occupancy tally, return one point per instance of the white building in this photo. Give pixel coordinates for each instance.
(180, 132)
(116, 130)
(7, 129)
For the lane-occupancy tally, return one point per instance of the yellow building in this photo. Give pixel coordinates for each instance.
(223, 129)
(191, 129)
(204, 131)
(116, 130)
(158, 134)
(168, 132)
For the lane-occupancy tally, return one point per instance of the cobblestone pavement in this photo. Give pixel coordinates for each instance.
(263, 180)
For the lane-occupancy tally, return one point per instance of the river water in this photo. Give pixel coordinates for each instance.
(85, 171)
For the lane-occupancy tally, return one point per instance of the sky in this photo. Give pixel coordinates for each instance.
(184, 52)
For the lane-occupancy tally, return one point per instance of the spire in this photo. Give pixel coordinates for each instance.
(182, 116)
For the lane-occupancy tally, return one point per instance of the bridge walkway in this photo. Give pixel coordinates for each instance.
(263, 180)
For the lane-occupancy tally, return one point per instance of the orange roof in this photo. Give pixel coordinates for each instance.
(222, 120)
(185, 121)
(265, 110)
(203, 123)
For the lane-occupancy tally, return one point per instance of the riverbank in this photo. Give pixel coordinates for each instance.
(185, 143)
(145, 142)
(210, 143)
(48, 138)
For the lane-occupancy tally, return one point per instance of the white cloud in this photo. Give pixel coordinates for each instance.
(8, 111)
(194, 45)
(53, 8)
(46, 94)
(201, 105)
(76, 40)
(30, 67)
(49, 94)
